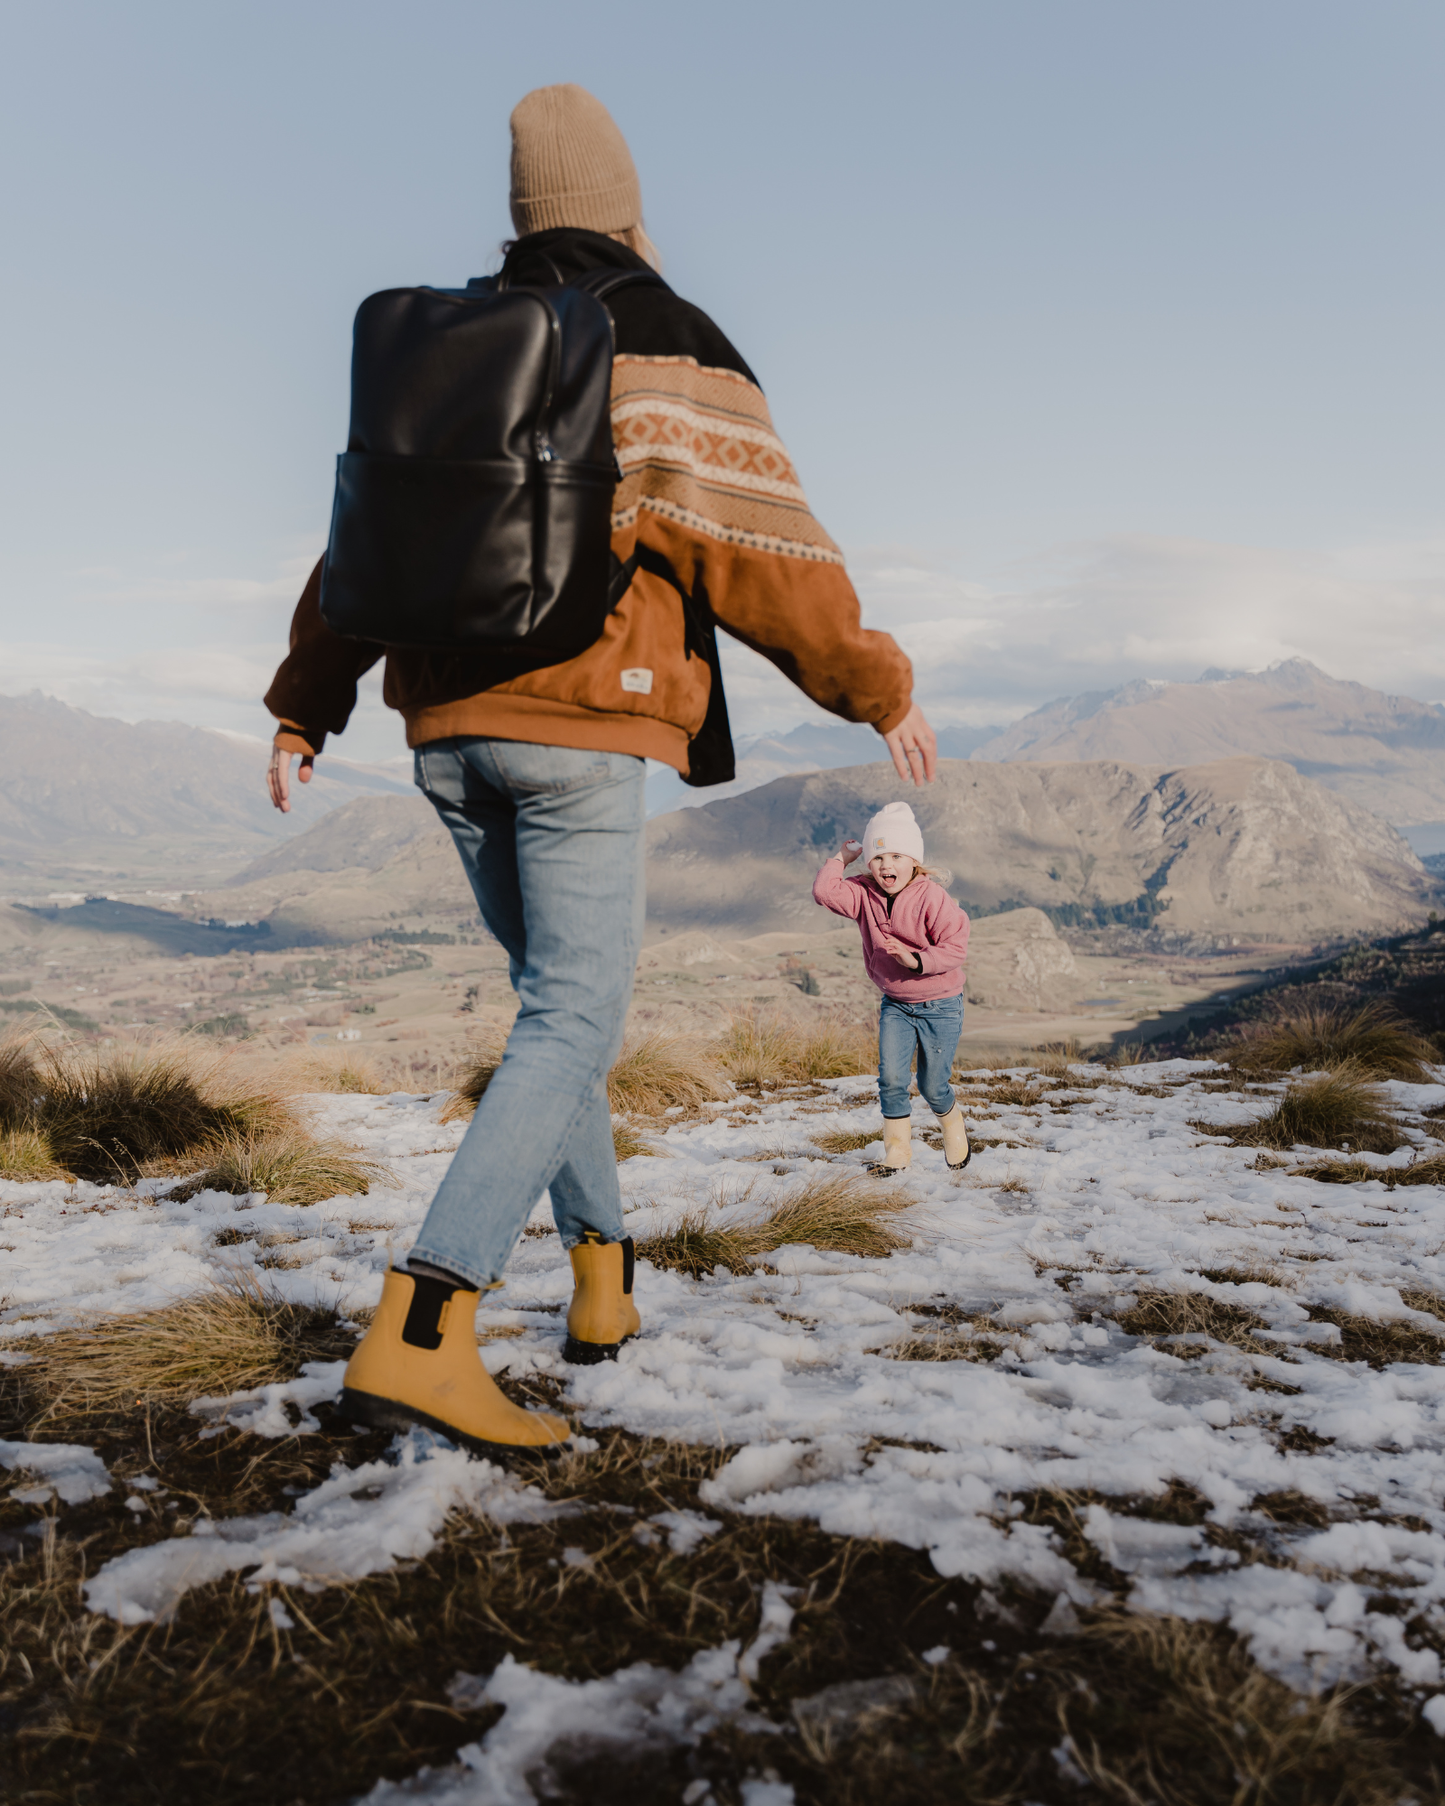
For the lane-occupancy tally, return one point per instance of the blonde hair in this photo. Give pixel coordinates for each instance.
(636, 239)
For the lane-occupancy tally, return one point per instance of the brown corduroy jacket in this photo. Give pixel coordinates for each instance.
(707, 484)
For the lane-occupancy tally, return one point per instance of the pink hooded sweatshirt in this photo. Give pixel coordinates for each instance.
(924, 917)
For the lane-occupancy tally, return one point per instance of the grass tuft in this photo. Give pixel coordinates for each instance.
(115, 1113)
(232, 1337)
(658, 1072)
(1022, 1092)
(845, 1141)
(1379, 1344)
(1371, 1040)
(954, 1335)
(346, 1073)
(1342, 1108)
(25, 1154)
(626, 1142)
(839, 1212)
(470, 1081)
(289, 1167)
(766, 1048)
(652, 1074)
(20, 1085)
(1056, 1059)
(1160, 1316)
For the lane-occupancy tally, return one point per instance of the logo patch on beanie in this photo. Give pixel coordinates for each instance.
(638, 679)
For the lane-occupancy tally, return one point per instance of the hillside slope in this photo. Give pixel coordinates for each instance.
(100, 786)
(1239, 845)
(1386, 753)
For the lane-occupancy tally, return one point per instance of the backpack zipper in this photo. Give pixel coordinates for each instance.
(541, 445)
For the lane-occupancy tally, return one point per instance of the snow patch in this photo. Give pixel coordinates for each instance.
(70, 1471)
(361, 1521)
(637, 1708)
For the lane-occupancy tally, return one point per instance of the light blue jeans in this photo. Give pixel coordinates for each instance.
(551, 839)
(933, 1028)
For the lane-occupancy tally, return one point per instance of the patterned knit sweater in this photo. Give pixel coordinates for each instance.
(707, 484)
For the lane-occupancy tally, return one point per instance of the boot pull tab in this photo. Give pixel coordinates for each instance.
(628, 1258)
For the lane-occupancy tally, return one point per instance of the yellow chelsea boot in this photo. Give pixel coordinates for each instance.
(602, 1316)
(418, 1363)
(956, 1150)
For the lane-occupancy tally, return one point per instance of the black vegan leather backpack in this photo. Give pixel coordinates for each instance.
(474, 498)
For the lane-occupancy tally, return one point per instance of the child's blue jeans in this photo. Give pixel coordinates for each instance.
(933, 1028)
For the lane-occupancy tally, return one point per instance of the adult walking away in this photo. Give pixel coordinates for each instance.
(536, 765)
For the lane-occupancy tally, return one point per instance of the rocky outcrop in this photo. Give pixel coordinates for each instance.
(1016, 961)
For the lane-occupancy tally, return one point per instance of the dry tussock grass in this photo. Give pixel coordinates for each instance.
(160, 1109)
(766, 1048)
(951, 1334)
(1161, 1316)
(1343, 1108)
(658, 1072)
(232, 1337)
(845, 1141)
(116, 1113)
(1372, 1039)
(1421, 1298)
(1244, 1276)
(1021, 1092)
(19, 1079)
(626, 1142)
(471, 1078)
(968, 1061)
(839, 1212)
(24, 1154)
(653, 1074)
(1430, 1171)
(340, 1072)
(1140, 1710)
(1056, 1059)
(1379, 1344)
(288, 1166)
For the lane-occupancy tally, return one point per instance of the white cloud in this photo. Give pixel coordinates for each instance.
(1084, 617)
(1093, 616)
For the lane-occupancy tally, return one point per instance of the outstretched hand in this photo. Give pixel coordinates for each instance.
(849, 851)
(914, 748)
(278, 776)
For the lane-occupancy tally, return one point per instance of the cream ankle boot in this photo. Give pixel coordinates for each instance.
(956, 1150)
(897, 1143)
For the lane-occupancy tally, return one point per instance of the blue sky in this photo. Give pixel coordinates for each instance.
(1104, 332)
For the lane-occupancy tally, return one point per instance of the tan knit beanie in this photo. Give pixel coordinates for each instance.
(570, 164)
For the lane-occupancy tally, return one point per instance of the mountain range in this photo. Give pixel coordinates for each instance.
(1242, 847)
(83, 793)
(815, 746)
(1386, 753)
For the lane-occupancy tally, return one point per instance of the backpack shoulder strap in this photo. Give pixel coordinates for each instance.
(605, 282)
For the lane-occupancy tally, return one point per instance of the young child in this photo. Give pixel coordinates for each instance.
(915, 939)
